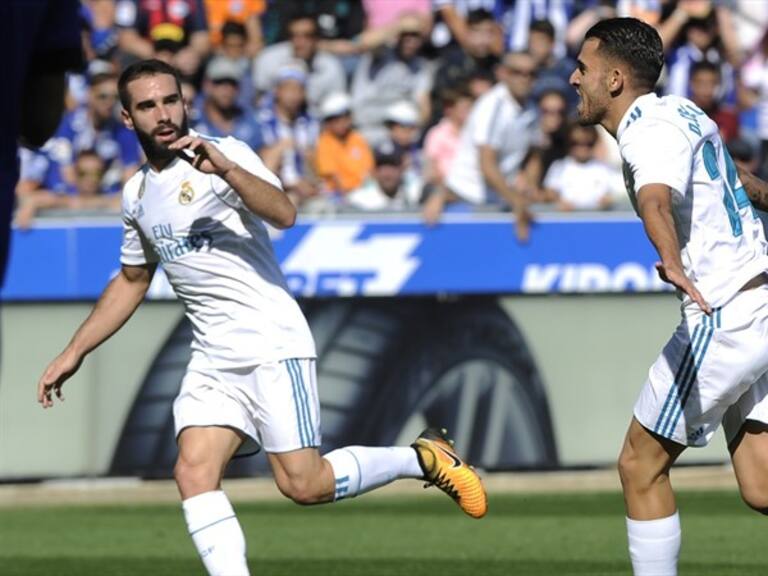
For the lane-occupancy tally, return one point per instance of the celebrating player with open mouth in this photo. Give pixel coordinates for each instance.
(686, 189)
(197, 208)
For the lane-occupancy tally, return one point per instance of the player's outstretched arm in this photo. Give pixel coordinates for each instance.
(259, 196)
(654, 205)
(116, 304)
(757, 189)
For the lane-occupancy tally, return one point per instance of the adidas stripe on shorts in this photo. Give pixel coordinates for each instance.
(275, 404)
(712, 370)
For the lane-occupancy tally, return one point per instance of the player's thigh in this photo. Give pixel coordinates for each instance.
(209, 447)
(749, 445)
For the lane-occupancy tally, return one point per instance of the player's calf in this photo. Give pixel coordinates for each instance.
(303, 476)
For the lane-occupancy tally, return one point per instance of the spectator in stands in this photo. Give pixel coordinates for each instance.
(221, 114)
(143, 22)
(518, 22)
(242, 13)
(336, 19)
(707, 36)
(476, 59)
(754, 78)
(326, 74)
(402, 123)
(440, 146)
(550, 138)
(102, 30)
(704, 89)
(553, 71)
(495, 141)
(592, 12)
(344, 158)
(233, 46)
(451, 26)
(290, 134)
(190, 96)
(88, 192)
(390, 187)
(96, 127)
(388, 75)
(579, 181)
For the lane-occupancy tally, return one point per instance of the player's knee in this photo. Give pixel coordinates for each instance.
(756, 497)
(633, 472)
(195, 477)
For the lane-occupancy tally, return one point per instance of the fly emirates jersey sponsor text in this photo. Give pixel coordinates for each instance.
(219, 259)
(671, 141)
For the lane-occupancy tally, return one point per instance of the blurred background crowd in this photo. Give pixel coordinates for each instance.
(428, 105)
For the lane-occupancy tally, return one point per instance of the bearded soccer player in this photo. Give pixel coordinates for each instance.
(684, 186)
(197, 207)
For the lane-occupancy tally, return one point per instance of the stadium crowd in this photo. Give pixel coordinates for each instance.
(427, 105)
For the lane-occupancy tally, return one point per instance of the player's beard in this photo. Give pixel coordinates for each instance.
(158, 152)
(591, 110)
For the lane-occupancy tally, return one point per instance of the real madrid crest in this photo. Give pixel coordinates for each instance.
(187, 193)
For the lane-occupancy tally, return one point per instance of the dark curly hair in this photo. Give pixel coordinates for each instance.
(634, 43)
(140, 69)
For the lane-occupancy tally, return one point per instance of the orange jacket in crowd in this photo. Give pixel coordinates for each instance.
(343, 164)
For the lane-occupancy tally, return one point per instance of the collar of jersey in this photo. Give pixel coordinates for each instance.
(626, 120)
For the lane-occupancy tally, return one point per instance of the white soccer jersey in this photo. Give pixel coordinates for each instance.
(671, 141)
(218, 258)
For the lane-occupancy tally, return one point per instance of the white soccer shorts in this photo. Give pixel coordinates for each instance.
(274, 404)
(712, 370)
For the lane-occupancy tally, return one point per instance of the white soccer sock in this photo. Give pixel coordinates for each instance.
(359, 469)
(654, 545)
(217, 535)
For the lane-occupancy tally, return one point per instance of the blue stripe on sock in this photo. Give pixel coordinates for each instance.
(673, 391)
(296, 402)
(307, 408)
(211, 524)
(359, 471)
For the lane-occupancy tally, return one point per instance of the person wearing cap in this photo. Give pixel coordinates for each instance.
(325, 71)
(390, 187)
(221, 114)
(344, 158)
(175, 24)
(388, 75)
(290, 134)
(402, 123)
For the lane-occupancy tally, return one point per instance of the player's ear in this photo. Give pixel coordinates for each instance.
(127, 120)
(616, 80)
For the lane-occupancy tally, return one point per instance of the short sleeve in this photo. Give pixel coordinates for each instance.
(248, 160)
(135, 249)
(484, 133)
(554, 178)
(657, 152)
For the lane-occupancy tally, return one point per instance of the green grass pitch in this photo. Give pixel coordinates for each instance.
(522, 535)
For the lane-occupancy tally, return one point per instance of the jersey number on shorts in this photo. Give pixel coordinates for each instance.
(734, 196)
